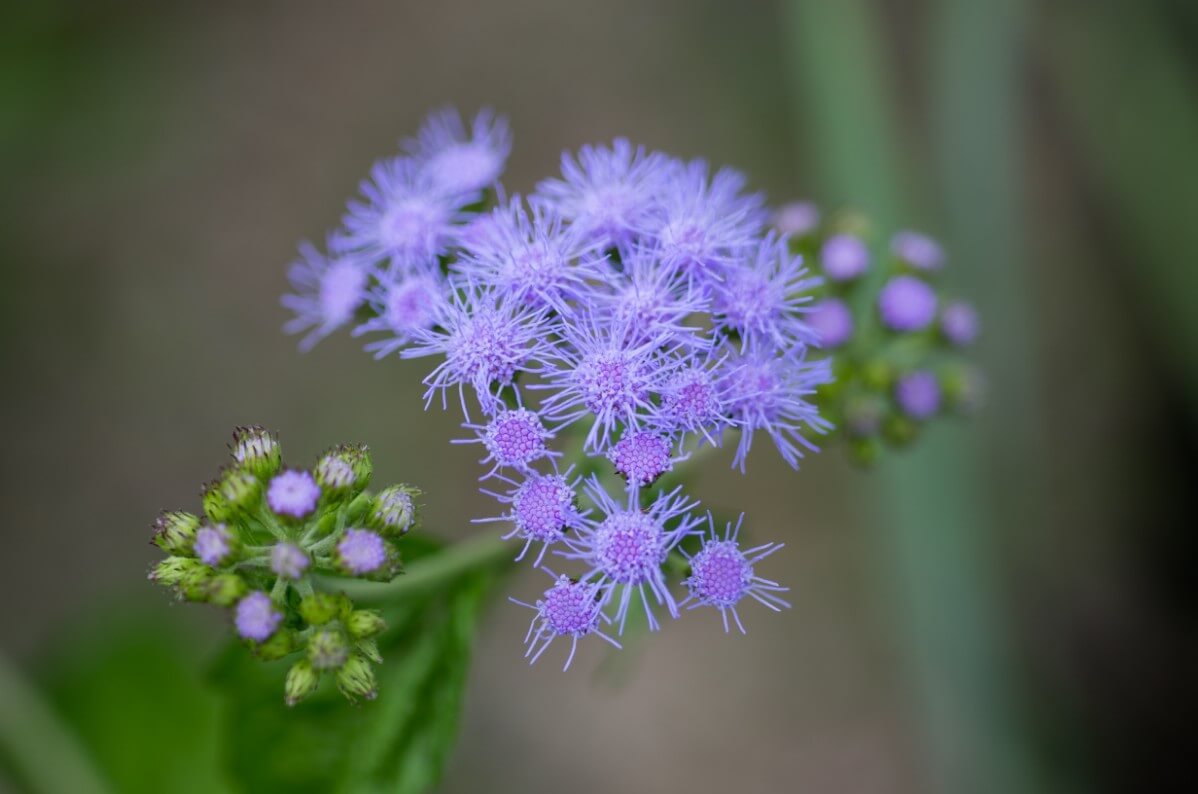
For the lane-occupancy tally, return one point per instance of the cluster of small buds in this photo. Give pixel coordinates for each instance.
(896, 342)
(268, 538)
(634, 310)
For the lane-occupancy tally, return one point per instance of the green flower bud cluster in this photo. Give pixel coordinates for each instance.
(896, 343)
(269, 536)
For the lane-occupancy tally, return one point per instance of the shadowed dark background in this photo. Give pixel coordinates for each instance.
(1009, 607)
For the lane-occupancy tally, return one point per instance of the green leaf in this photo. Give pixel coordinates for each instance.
(397, 743)
(131, 688)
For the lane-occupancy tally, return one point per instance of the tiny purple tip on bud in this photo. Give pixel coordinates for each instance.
(918, 394)
(214, 545)
(288, 560)
(959, 323)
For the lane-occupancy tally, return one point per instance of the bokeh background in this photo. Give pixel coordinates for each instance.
(1007, 608)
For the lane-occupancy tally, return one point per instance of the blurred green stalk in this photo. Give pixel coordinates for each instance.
(935, 514)
(35, 746)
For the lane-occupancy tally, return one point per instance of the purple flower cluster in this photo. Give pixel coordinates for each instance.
(632, 310)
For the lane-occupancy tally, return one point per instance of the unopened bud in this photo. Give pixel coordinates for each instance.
(175, 530)
(280, 644)
(257, 451)
(394, 511)
(301, 682)
(355, 679)
(320, 608)
(224, 590)
(173, 570)
(240, 489)
(345, 469)
(365, 623)
(370, 649)
(327, 649)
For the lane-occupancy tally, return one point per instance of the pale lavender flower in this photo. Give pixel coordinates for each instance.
(288, 560)
(832, 322)
(486, 340)
(653, 303)
(797, 219)
(907, 304)
(256, 617)
(213, 545)
(705, 224)
(610, 193)
(640, 457)
(567, 609)
(762, 302)
(458, 160)
(918, 394)
(361, 551)
(844, 257)
(513, 439)
(293, 493)
(328, 290)
(404, 216)
(544, 508)
(917, 250)
(604, 371)
(532, 257)
(628, 545)
(959, 323)
(770, 392)
(722, 575)
(404, 304)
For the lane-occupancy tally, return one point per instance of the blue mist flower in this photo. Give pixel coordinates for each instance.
(404, 304)
(907, 304)
(531, 257)
(288, 560)
(703, 224)
(513, 439)
(460, 161)
(844, 257)
(602, 371)
(722, 575)
(486, 339)
(293, 494)
(653, 303)
(694, 399)
(361, 551)
(832, 322)
(959, 323)
(543, 508)
(918, 394)
(403, 216)
(256, 617)
(917, 250)
(567, 609)
(627, 546)
(770, 392)
(763, 302)
(610, 193)
(797, 219)
(328, 290)
(640, 457)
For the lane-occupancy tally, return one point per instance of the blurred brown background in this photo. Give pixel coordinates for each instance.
(1008, 608)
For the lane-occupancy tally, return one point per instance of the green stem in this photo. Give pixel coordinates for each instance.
(428, 573)
(40, 751)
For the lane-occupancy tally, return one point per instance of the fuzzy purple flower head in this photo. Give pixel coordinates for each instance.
(844, 257)
(959, 323)
(458, 160)
(832, 321)
(256, 617)
(722, 575)
(567, 609)
(907, 304)
(797, 218)
(917, 250)
(213, 545)
(328, 290)
(918, 394)
(361, 551)
(288, 560)
(640, 457)
(293, 494)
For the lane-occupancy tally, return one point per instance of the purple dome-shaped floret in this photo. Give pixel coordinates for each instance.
(832, 321)
(567, 609)
(722, 575)
(213, 545)
(361, 551)
(513, 439)
(640, 457)
(917, 250)
(543, 509)
(288, 560)
(293, 494)
(907, 304)
(844, 257)
(959, 323)
(256, 617)
(918, 394)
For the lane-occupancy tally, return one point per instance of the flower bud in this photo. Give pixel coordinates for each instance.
(365, 623)
(320, 608)
(327, 649)
(173, 571)
(175, 530)
(364, 553)
(900, 430)
(257, 451)
(223, 590)
(216, 506)
(280, 644)
(394, 511)
(345, 469)
(370, 649)
(240, 490)
(355, 679)
(301, 682)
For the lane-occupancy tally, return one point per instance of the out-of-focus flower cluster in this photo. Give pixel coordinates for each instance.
(629, 314)
(267, 531)
(897, 343)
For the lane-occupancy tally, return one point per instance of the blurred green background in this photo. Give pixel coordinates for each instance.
(1008, 608)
